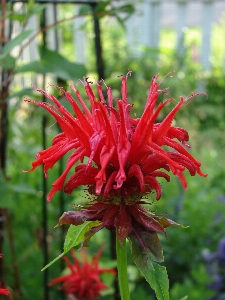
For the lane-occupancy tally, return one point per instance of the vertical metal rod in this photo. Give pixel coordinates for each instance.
(4, 93)
(4, 90)
(98, 45)
(46, 295)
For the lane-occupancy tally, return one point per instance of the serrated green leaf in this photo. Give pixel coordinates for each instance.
(14, 42)
(76, 234)
(155, 274)
(74, 237)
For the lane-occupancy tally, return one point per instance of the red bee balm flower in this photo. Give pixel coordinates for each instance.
(83, 279)
(3, 291)
(125, 155)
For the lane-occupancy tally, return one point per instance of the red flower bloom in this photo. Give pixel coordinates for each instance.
(125, 156)
(83, 279)
(3, 291)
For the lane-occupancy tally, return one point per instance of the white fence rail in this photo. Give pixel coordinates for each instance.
(144, 27)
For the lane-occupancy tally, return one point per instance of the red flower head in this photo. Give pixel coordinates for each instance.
(3, 291)
(125, 156)
(83, 278)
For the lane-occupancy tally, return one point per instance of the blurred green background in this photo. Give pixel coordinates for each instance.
(191, 254)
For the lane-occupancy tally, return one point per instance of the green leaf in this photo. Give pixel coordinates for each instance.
(152, 243)
(167, 222)
(34, 66)
(184, 298)
(23, 188)
(84, 10)
(101, 7)
(14, 42)
(127, 8)
(7, 61)
(155, 274)
(22, 93)
(76, 234)
(17, 17)
(55, 63)
(74, 237)
(36, 9)
(33, 9)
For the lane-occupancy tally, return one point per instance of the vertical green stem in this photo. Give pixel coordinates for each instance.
(122, 269)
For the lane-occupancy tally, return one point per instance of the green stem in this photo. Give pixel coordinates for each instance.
(122, 269)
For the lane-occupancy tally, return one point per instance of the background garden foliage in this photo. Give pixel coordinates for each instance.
(191, 255)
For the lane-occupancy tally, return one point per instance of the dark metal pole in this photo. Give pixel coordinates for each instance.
(98, 45)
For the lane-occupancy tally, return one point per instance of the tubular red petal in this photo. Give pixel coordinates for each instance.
(180, 149)
(89, 92)
(82, 177)
(58, 184)
(123, 146)
(84, 122)
(153, 93)
(124, 89)
(136, 171)
(182, 179)
(161, 174)
(99, 87)
(154, 184)
(163, 154)
(85, 108)
(59, 153)
(64, 125)
(184, 161)
(154, 162)
(164, 126)
(144, 131)
(179, 133)
(109, 95)
(109, 184)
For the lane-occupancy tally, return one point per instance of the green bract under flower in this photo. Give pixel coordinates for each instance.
(126, 156)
